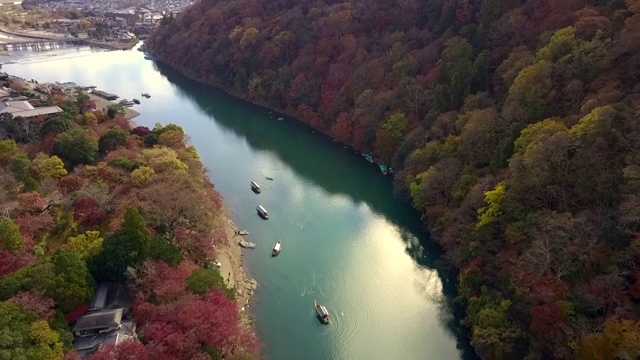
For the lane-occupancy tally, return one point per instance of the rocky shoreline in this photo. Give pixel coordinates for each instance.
(231, 260)
(229, 254)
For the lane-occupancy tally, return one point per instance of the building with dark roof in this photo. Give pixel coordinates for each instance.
(100, 321)
(108, 321)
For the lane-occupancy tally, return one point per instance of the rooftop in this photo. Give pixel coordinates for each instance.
(103, 319)
(24, 109)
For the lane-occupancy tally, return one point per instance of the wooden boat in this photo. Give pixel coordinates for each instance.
(136, 101)
(269, 178)
(276, 249)
(255, 187)
(125, 102)
(246, 244)
(146, 95)
(322, 312)
(262, 212)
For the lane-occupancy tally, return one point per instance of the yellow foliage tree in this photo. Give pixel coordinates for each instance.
(142, 174)
(85, 245)
(489, 213)
(46, 166)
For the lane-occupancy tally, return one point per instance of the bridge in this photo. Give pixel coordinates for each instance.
(20, 40)
(36, 45)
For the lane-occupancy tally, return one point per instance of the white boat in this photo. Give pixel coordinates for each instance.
(243, 232)
(262, 212)
(255, 187)
(276, 249)
(322, 312)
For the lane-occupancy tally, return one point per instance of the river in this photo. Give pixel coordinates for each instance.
(346, 240)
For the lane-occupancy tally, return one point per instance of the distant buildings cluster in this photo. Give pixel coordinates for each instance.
(123, 19)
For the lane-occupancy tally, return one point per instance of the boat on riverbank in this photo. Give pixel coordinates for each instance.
(243, 232)
(255, 187)
(262, 212)
(322, 312)
(276, 249)
(246, 244)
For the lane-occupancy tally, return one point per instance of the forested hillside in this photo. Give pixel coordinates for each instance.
(513, 127)
(85, 198)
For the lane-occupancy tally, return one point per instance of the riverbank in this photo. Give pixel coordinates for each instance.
(231, 260)
(229, 254)
(102, 103)
(347, 242)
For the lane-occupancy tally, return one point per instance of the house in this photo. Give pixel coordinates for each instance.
(96, 322)
(25, 109)
(107, 322)
(86, 345)
(5, 93)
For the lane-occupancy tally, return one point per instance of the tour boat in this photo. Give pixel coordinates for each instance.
(262, 212)
(255, 187)
(322, 312)
(276, 249)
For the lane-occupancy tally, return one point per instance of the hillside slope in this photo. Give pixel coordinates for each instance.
(513, 127)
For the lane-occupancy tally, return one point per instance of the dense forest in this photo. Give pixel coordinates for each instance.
(85, 197)
(513, 127)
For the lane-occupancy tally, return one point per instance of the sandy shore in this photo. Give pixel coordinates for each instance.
(230, 257)
(102, 103)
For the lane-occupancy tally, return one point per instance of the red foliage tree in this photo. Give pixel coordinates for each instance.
(141, 131)
(178, 330)
(12, 261)
(309, 116)
(31, 202)
(128, 350)
(48, 141)
(167, 283)
(37, 302)
(74, 314)
(87, 212)
(70, 184)
(32, 226)
(71, 355)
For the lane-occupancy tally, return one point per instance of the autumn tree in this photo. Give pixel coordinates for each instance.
(112, 139)
(202, 281)
(127, 247)
(76, 147)
(26, 337)
(87, 212)
(37, 302)
(45, 166)
(57, 124)
(10, 237)
(72, 284)
(128, 350)
(85, 245)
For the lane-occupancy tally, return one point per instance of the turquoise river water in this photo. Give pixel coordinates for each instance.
(346, 240)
